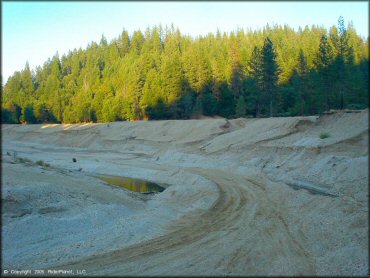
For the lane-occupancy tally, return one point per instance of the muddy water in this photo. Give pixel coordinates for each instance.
(136, 185)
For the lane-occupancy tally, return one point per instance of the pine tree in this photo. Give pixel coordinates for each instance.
(28, 115)
(171, 70)
(303, 71)
(209, 104)
(137, 42)
(270, 71)
(324, 64)
(255, 71)
(12, 113)
(123, 43)
(343, 50)
(27, 82)
(235, 69)
(241, 107)
(56, 73)
(325, 55)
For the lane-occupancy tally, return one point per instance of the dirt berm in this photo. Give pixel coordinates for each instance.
(243, 197)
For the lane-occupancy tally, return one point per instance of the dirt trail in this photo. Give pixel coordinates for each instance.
(240, 206)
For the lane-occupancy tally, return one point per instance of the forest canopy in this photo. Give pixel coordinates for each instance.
(163, 74)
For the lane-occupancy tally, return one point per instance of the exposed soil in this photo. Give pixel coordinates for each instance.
(244, 197)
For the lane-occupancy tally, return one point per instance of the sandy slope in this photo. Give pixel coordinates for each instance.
(244, 197)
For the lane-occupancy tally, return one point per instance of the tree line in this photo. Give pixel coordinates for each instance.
(163, 74)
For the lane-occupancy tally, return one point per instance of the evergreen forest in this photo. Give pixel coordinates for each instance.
(163, 74)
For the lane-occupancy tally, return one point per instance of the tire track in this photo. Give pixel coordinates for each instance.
(241, 234)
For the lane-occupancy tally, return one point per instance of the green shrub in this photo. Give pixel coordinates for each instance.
(42, 163)
(23, 160)
(324, 135)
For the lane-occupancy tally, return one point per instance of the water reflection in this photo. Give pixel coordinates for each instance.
(131, 184)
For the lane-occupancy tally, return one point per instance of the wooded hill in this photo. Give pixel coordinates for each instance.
(163, 74)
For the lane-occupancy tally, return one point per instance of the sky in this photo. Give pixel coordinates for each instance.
(35, 31)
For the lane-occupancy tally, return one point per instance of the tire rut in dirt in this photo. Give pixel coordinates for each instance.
(243, 222)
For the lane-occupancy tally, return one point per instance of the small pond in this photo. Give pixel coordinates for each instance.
(136, 185)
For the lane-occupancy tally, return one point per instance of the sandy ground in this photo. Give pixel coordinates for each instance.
(244, 197)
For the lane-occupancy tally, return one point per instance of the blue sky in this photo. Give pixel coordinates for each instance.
(35, 31)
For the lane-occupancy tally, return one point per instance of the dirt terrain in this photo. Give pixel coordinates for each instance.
(243, 197)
